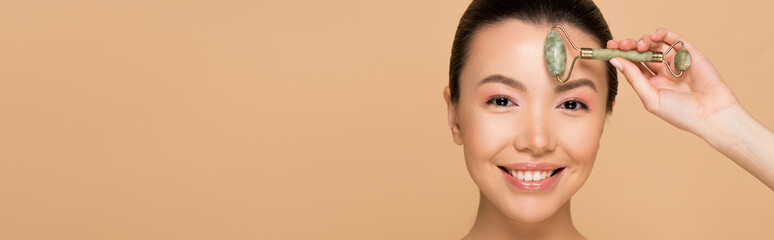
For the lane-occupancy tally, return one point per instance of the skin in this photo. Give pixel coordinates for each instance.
(500, 123)
(699, 102)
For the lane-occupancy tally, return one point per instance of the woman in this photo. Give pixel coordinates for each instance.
(530, 142)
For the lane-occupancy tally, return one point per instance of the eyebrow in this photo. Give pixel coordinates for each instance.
(567, 86)
(497, 78)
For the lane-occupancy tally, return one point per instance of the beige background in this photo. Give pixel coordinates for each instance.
(323, 120)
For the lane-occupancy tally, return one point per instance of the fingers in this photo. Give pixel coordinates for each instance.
(668, 37)
(627, 44)
(643, 44)
(639, 82)
(611, 44)
(663, 34)
(652, 42)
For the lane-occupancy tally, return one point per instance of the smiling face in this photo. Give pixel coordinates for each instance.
(529, 141)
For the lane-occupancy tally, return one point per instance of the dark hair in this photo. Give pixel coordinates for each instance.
(582, 14)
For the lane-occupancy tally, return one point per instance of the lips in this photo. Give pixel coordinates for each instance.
(532, 177)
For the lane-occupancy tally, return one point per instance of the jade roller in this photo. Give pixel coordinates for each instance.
(556, 57)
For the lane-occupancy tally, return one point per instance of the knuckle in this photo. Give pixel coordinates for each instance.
(648, 108)
(651, 108)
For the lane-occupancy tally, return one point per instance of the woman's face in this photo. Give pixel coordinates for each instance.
(529, 141)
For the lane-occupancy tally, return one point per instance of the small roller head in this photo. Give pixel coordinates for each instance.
(682, 60)
(555, 54)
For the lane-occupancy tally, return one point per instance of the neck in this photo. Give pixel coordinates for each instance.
(491, 223)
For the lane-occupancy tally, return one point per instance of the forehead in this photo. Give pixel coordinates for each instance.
(516, 49)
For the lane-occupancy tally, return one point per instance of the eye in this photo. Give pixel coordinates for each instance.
(574, 105)
(500, 101)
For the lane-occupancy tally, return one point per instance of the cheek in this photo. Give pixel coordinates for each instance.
(485, 135)
(580, 139)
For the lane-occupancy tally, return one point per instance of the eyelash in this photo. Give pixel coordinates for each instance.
(580, 105)
(493, 101)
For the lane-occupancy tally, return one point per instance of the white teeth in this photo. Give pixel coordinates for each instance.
(531, 175)
(536, 176)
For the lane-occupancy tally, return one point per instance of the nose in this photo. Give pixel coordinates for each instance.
(534, 134)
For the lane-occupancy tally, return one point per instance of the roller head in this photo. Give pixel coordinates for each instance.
(682, 60)
(556, 55)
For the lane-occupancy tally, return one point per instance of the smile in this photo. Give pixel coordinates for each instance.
(532, 177)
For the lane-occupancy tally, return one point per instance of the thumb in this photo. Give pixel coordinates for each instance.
(647, 93)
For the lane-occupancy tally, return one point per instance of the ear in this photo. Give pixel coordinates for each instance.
(452, 116)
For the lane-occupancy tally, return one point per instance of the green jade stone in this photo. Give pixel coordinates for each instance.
(631, 55)
(682, 60)
(556, 57)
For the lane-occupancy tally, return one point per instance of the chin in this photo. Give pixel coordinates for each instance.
(531, 208)
(529, 211)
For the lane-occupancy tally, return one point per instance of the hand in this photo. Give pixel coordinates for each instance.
(698, 102)
(686, 102)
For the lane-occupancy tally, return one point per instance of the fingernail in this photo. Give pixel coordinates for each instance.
(639, 43)
(616, 64)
